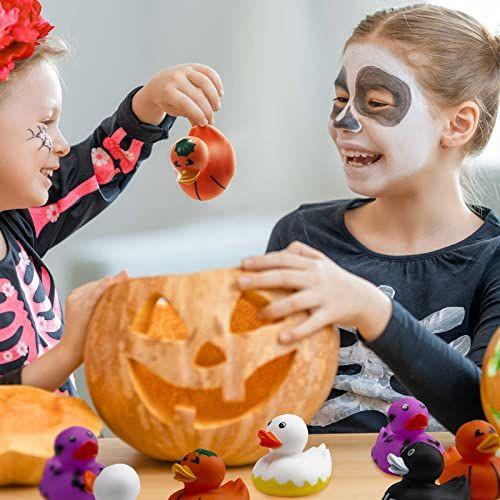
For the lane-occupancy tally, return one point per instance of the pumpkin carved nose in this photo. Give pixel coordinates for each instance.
(210, 355)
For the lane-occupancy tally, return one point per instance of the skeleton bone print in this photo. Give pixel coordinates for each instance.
(374, 386)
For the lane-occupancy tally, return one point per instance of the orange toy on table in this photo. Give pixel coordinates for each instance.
(204, 162)
(474, 457)
(202, 473)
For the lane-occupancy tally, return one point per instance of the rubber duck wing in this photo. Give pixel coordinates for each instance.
(451, 455)
(320, 458)
(456, 489)
(236, 489)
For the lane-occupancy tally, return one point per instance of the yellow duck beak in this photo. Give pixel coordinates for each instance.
(489, 444)
(183, 473)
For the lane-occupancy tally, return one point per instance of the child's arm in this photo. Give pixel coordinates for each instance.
(56, 365)
(98, 169)
(433, 371)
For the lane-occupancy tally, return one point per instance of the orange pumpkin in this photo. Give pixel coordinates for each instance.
(176, 363)
(204, 162)
(490, 381)
(30, 420)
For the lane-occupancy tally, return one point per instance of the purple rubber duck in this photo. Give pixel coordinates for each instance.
(407, 420)
(71, 472)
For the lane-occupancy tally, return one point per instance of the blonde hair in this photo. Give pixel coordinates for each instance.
(455, 58)
(50, 50)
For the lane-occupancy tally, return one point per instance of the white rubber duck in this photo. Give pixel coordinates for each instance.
(288, 470)
(117, 482)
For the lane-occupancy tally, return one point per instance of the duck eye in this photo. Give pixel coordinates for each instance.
(72, 439)
(89, 434)
(270, 422)
(491, 431)
(282, 425)
(422, 405)
(189, 162)
(478, 433)
(411, 452)
(176, 163)
(405, 407)
(196, 460)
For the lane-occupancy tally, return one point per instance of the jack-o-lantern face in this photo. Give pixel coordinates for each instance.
(183, 362)
(189, 156)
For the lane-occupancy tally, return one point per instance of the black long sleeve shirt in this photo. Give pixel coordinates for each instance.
(446, 306)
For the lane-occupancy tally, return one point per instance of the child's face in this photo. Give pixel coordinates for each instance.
(381, 113)
(30, 141)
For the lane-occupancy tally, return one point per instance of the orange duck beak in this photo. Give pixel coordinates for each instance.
(268, 439)
(183, 473)
(489, 444)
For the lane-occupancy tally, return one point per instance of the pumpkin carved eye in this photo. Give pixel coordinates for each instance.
(478, 433)
(196, 460)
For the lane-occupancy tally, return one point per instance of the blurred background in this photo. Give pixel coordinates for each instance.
(278, 60)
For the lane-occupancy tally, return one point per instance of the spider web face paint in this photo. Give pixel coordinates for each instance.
(42, 135)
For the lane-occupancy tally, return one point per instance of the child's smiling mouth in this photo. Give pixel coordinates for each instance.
(358, 158)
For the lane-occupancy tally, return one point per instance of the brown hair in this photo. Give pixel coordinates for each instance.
(455, 57)
(50, 50)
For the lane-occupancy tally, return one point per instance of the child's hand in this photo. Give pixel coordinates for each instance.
(79, 307)
(332, 294)
(190, 90)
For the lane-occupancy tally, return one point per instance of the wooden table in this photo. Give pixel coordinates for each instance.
(354, 474)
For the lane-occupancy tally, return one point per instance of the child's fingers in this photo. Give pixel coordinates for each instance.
(213, 75)
(273, 260)
(202, 81)
(311, 325)
(300, 301)
(273, 279)
(300, 248)
(198, 97)
(190, 109)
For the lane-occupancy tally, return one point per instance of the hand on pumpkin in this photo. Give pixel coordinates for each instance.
(190, 90)
(331, 294)
(79, 307)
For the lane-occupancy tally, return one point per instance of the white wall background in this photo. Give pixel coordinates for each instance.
(278, 60)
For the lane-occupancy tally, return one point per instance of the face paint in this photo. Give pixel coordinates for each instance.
(43, 136)
(342, 117)
(373, 78)
(385, 131)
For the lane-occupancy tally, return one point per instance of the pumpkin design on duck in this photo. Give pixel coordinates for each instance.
(183, 362)
(490, 381)
(204, 162)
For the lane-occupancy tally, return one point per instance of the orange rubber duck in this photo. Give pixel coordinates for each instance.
(474, 457)
(202, 473)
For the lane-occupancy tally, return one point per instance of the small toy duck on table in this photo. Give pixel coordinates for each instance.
(73, 469)
(287, 470)
(474, 457)
(202, 473)
(420, 464)
(407, 420)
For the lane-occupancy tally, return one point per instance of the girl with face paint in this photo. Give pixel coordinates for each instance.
(49, 190)
(409, 272)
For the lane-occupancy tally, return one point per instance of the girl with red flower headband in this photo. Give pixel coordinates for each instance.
(48, 189)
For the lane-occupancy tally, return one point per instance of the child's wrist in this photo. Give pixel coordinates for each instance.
(145, 108)
(375, 314)
(69, 354)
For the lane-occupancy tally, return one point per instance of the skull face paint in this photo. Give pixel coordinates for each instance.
(381, 121)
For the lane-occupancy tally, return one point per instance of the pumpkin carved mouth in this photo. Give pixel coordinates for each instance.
(170, 402)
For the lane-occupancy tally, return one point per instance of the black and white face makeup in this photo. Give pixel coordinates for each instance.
(381, 121)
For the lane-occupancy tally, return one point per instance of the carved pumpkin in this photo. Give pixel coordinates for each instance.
(490, 382)
(176, 363)
(30, 420)
(204, 162)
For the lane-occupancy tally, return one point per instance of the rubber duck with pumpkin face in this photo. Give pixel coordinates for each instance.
(287, 470)
(474, 457)
(73, 469)
(202, 473)
(407, 421)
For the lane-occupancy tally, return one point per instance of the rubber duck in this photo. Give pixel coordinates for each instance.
(474, 456)
(287, 470)
(202, 473)
(117, 482)
(420, 464)
(72, 471)
(407, 420)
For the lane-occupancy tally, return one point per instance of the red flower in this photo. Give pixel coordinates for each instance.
(21, 28)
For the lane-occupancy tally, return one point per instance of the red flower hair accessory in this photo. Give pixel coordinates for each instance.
(21, 28)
